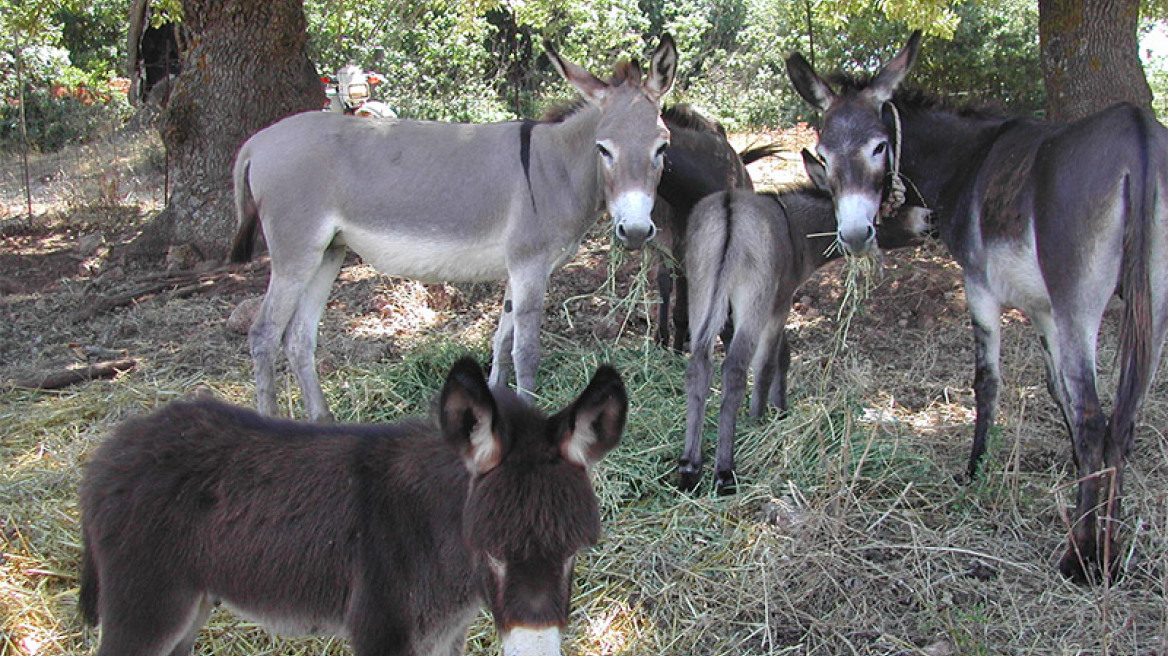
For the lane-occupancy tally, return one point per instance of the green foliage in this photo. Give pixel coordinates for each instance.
(483, 60)
(998, 40)
(93, 34)
(67, 53)
(54, 122)
(934, 17)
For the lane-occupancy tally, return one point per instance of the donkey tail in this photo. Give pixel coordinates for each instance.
(707, 259)
(246, 212)
(752, 155)
(1135, 330)
(89, 585)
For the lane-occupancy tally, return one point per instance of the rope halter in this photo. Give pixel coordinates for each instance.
(896, 187)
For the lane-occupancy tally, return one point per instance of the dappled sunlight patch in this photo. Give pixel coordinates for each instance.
(611, 627)
(399, 310)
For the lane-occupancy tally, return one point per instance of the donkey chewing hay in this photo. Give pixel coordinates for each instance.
(1051, 218)
(750, 253)
(393, 536)
(444, 202)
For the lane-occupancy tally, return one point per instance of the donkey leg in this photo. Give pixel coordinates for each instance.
(378, 627)
(985, 312)
(698, 374)
(734, 371)
(151, 624)
(267, 333)
(665, 292)
(778, 398)
(681, 335)
(528, 315)
(187, 642)
(1088, 426)
(770, 382)
(501, 362)
(301, 334)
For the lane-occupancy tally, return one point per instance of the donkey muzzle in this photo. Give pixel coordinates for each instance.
(855, 216)
(632, 219)
(523, 641)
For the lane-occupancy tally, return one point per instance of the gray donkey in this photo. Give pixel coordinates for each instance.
(749, 253)
(445, 202)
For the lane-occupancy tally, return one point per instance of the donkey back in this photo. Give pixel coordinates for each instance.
(390, 535)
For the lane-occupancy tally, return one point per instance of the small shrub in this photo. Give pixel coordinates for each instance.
(55, 120)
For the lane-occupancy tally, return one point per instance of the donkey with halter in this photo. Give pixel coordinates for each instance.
(393, 536)
(699, 161)
(445, 202)
(750, 253)
(1051, 218)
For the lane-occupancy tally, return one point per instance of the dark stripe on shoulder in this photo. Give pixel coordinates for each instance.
(525, 128)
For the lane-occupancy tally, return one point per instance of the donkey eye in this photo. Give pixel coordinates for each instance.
(604, 152)
(880, 149)
(661, 150)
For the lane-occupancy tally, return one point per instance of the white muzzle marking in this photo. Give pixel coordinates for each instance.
(632, 218)
(855, 216)
(522, 641)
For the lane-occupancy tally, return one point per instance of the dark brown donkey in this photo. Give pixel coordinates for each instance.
(393, 536)
(1051, 218)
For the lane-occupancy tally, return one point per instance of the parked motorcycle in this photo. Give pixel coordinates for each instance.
(350, 91)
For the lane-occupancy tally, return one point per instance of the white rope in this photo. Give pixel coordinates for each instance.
(896, 186)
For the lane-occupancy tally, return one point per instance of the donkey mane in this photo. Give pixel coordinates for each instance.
(687, 116)
(801, 188)
(912, 98)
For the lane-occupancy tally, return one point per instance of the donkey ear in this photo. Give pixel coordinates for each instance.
(816, 170)
(467, 417)
(595, 421)
(809, 85)
(893, 73)
(590, 86)
(662, 68)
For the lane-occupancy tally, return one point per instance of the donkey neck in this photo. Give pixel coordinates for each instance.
(564, 169)
(940, 149)
(811, 222)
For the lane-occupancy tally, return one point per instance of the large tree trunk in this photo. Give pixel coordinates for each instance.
(247, 67)
(1090, 56)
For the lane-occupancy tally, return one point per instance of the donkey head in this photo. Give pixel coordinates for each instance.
(855, 144)
(631, 137)
(531, 506)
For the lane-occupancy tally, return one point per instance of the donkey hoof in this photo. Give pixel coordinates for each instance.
(688, 476)
(1075, 567)
(1082, 569)
(726, 483)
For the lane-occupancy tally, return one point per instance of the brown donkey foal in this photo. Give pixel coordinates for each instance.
(393, 536)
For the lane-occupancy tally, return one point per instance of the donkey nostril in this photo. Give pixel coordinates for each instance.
(621, 232)
(871, 232)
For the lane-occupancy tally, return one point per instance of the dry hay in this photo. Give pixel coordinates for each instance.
(850, 533)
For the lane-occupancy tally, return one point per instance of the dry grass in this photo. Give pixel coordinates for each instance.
(850, 533)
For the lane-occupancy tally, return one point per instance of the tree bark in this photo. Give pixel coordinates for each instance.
(1090, 56)
(245, 68)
